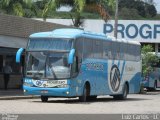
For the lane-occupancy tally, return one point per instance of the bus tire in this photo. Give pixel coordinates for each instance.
(92, 98)
(123, 96)
(155, 85)
(44, 98)
(85, 95)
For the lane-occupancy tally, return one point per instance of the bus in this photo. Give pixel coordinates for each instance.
(70, 62)
(152, 80)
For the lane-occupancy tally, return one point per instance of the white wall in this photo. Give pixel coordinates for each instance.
(139, 30)
(13, 42)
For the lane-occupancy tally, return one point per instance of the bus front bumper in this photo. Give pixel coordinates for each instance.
(52, 92)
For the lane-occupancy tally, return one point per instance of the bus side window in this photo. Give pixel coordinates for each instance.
(127, 56)
(97, 49)
(88, 48)
(79, 47)
(123, 47)
(121, 51)
(115, 50)
(138, 52)
(106, 50)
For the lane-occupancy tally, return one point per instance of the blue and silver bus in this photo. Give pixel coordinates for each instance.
(75, 63)
(152, 80)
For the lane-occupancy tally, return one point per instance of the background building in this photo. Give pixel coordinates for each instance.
(14, 32)
(144, 31)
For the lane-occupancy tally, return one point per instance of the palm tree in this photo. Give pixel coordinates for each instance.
(78, 7)
(100, 6)
(15, 7)
(48, 6)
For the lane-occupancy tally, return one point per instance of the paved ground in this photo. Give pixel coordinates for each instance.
(14, 94)
(136, 103)
(11, 92)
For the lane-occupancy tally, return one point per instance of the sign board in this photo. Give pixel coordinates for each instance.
(147, 31)
(143, 31)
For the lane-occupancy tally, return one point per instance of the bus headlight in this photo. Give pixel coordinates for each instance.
(67, 92)
(25, 91)
(63, 86)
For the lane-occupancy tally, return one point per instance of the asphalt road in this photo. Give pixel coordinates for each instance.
(135, 104)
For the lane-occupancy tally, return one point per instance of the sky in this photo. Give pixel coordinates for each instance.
(157, 5)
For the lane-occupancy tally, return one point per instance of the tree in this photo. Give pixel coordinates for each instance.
(15, 7)
(144, 9)
(94, 6)
(78, 7)
(151, 10)
(148, 59)
(129, 14)
(49, 6)
(43, 8)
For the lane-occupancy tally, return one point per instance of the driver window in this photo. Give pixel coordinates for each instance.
(35, 64)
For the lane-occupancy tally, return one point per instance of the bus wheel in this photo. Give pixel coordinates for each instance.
(155, 85)
(123, 96)
(44, 98)
(83, 98)
(92, 98)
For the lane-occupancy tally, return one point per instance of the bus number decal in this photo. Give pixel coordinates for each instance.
(94, 66)
(114, 78)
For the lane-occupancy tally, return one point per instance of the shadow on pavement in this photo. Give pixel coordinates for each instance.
(152, 92)
(98, 100)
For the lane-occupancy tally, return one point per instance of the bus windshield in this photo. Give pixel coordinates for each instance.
(45, 64)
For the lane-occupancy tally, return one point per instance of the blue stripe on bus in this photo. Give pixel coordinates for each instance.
(118, 63)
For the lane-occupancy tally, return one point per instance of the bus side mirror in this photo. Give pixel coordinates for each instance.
(71, 56)
(18, 55)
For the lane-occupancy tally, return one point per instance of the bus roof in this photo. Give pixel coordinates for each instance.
(67, 33)
(73, 33)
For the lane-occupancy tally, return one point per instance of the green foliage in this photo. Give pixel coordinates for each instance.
(79, 5)
(129, 14)
(67, 15)
(148, 59)
(128, 9)
(151, 10)
(15, 7)
(109, 5)
(18, 10)
(49, 6)
(144, 10)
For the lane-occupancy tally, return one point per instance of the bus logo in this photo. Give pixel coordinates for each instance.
(114, 78)
(39, 83)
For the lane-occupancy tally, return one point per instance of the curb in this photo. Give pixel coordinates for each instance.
(18, 97)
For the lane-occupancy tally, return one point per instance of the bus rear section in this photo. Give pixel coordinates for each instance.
(152, 80)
